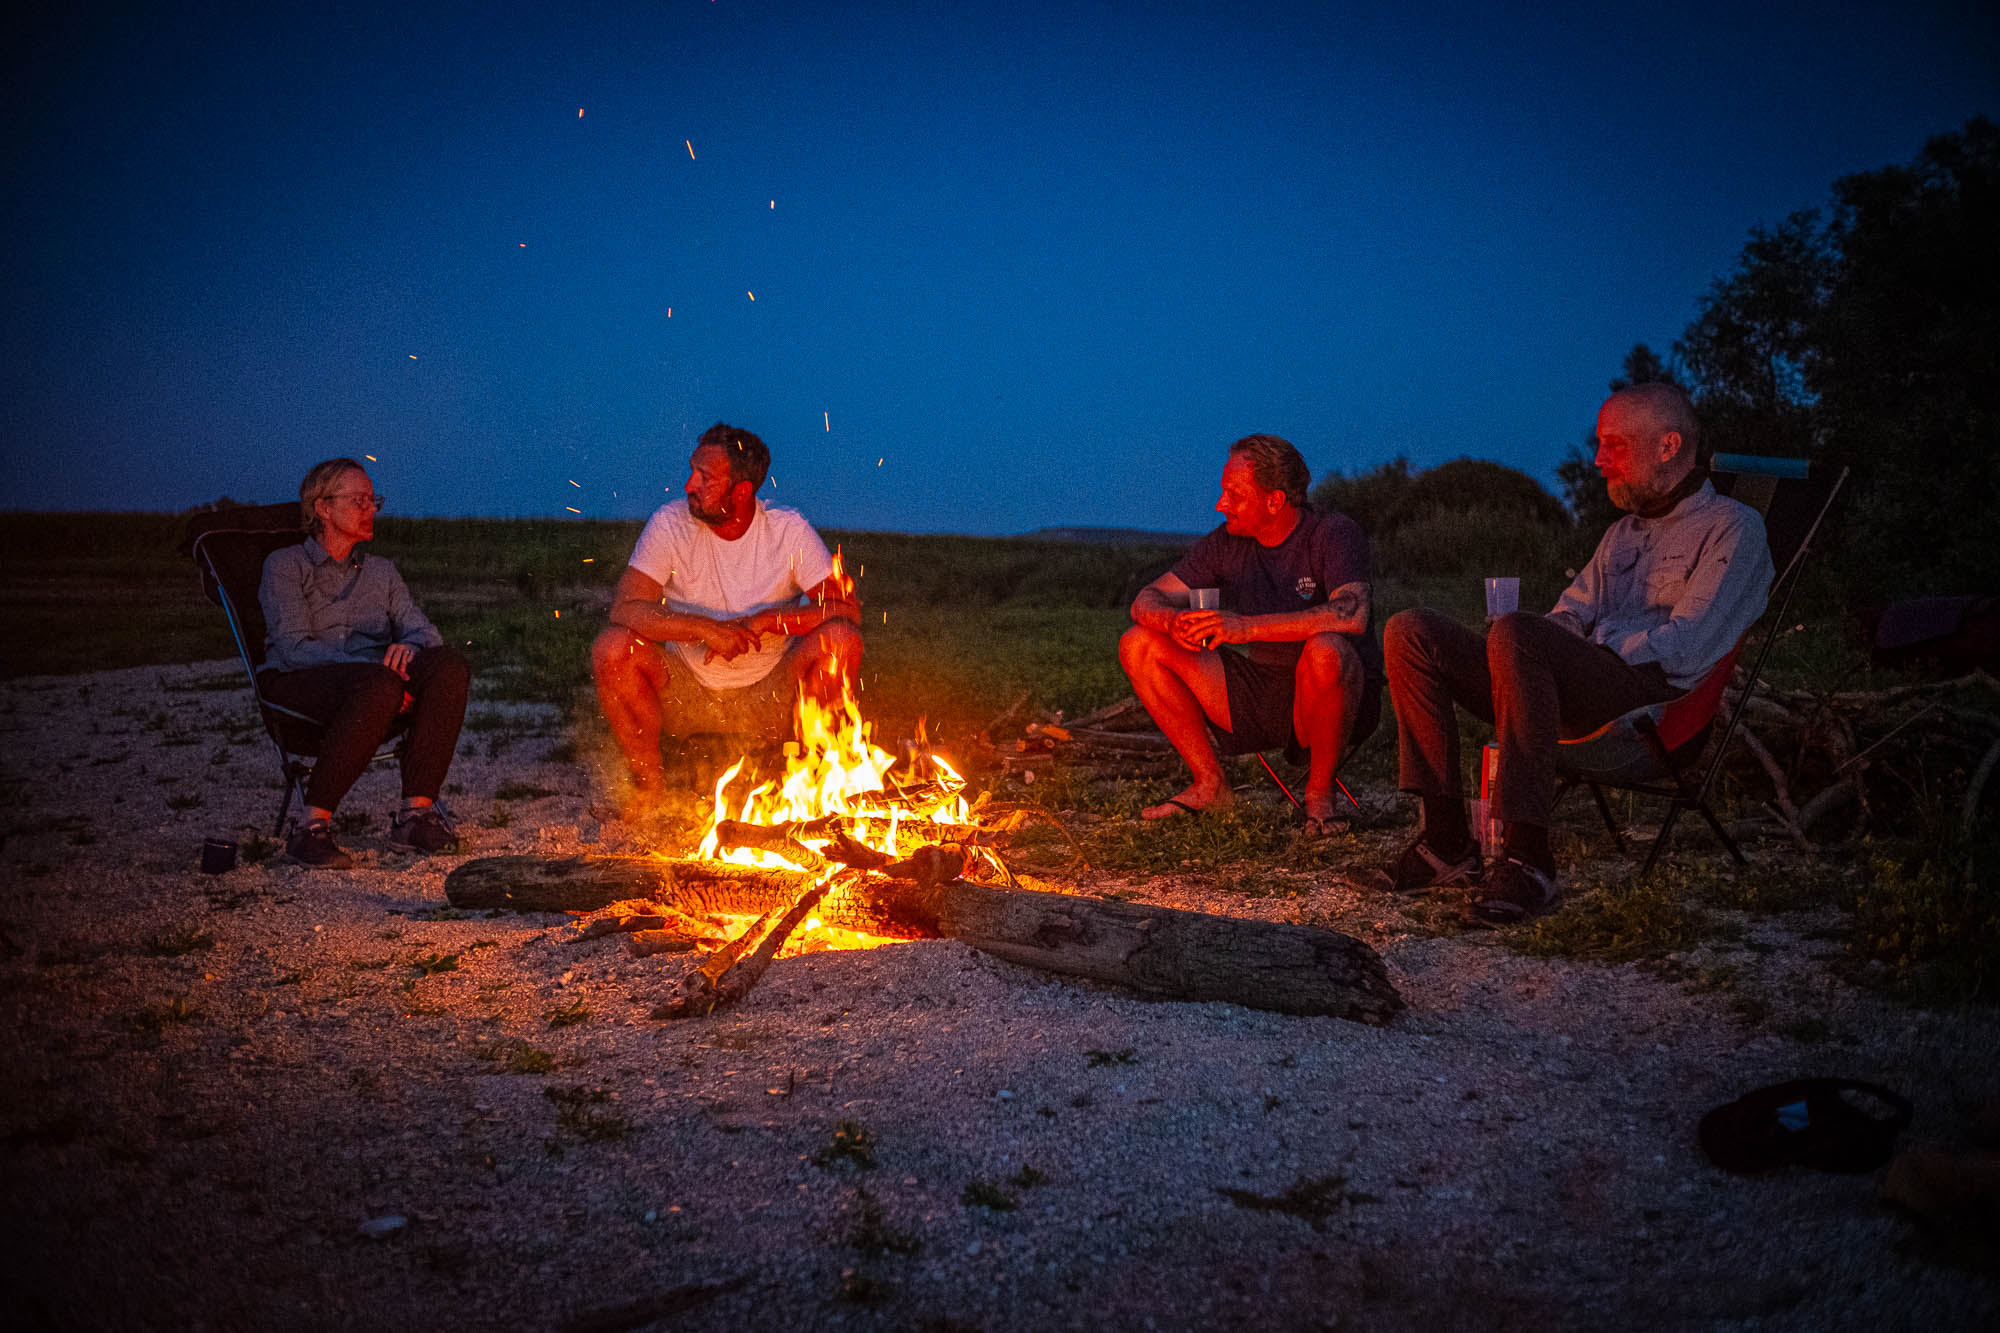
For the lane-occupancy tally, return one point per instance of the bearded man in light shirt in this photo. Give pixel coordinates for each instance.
(1669, 591)
(727, 610)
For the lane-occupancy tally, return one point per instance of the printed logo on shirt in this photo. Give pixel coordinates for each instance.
(1306, 588)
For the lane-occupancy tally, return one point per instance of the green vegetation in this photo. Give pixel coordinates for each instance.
(853, 1145)
(515, 1057)
(986, 1194)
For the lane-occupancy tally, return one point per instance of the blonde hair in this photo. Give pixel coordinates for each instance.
(320, 480)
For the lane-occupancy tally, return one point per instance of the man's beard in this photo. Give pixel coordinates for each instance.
(715, 518)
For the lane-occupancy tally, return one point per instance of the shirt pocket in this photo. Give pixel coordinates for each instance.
(1667, 579)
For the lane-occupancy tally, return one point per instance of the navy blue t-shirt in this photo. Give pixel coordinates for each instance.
(1322, 553)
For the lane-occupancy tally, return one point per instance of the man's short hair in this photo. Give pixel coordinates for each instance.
(1669, 408)
(1276, 465)
(749, 458)
(320, 480)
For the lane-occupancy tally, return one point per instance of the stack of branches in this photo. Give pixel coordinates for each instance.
(1819, 750)
(1120, 733)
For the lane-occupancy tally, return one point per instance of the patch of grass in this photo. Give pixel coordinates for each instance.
(514, 1056)
(986, 1194)
(1929, 917)
(853, 1145)
(569, 1015)
(174, 1009)
(580, 1114)
(257, 847)
(500, 817)
(184, 800)
(1098, 1059)
(520, 791)
(871, 1232)
(368, 964)
(1619, 923)
(174, 943)
(1311, 1200)
(352, 821)
(430, 964)
(1027, 1178)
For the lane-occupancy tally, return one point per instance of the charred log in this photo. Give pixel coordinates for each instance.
(1161, 952)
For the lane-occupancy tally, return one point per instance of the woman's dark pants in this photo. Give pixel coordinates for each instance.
(360, 701)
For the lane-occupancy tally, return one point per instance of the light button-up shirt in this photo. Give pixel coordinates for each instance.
(1679, 589)
(318, 610)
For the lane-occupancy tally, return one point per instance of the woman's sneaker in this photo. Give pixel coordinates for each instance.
(313, 845)
(425, 830)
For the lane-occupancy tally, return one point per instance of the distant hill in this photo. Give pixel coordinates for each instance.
(1114, 536)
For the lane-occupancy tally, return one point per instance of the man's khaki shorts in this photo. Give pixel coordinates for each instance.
(763, 710)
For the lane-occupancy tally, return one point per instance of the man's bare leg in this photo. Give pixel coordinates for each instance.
(1182, 690)
(827, 660)
(631, 675)
(1326, 691)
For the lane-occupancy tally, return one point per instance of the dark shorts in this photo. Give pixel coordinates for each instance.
(1260, 707)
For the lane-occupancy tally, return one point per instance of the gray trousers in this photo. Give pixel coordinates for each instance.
(1530, 677)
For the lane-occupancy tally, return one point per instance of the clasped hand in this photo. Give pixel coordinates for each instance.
(1198, 630)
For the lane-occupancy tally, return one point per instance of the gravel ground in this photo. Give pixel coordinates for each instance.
(219, 1087)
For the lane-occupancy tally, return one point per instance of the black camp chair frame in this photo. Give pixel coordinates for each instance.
(1754, 482)
(296, 750)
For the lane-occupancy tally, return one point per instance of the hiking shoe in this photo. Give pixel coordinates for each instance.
(1419, 868)
(425, 830)
(1514, 891)
(313, 845)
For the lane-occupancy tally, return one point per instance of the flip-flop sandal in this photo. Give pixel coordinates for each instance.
(1519, 897)
(1175, 800)
(1829, 1124)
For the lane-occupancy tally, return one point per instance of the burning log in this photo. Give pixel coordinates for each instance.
(729, 974)
(1160, 952)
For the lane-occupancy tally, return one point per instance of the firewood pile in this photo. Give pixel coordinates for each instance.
(1834, 759)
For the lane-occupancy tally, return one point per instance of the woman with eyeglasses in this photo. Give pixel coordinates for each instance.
(348, 645)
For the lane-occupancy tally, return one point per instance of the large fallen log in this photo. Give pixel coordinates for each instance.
(1160, 952)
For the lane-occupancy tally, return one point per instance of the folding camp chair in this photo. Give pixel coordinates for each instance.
(229, 547)
(1656, 750)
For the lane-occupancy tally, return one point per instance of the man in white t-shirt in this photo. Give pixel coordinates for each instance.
(728, 608)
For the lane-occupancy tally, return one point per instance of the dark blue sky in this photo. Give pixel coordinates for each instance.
(1044, 261)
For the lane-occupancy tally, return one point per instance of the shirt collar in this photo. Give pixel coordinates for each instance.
(319, 555)
(1696, 499)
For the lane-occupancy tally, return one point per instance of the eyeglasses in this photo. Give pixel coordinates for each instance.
(369, 501)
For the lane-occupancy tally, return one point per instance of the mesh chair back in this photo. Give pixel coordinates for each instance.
(230, 546)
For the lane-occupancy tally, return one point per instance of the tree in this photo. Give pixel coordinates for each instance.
(1368, 498)
(1872, 338)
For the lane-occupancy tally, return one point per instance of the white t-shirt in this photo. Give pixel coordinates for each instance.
(777, 558)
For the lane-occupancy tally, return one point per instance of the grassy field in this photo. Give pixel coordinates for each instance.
(957, 628)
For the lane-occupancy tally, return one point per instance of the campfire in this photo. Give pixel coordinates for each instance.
(851, 847)
(844, 805)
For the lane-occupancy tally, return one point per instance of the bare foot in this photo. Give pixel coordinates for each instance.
(1190, 802)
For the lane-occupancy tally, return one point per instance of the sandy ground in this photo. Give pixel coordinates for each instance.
(243, 1101)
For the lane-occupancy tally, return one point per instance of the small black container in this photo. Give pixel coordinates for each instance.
(217, 856)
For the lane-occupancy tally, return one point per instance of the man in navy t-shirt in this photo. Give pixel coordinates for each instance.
(1295, 592)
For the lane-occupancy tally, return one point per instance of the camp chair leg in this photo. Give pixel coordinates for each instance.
(1610, 824)
(1728, 842)
(1660, 840)
(284, 806)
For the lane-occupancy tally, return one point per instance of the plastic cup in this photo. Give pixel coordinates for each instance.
(1204, 599)
(1503, 597)
(218, 856)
